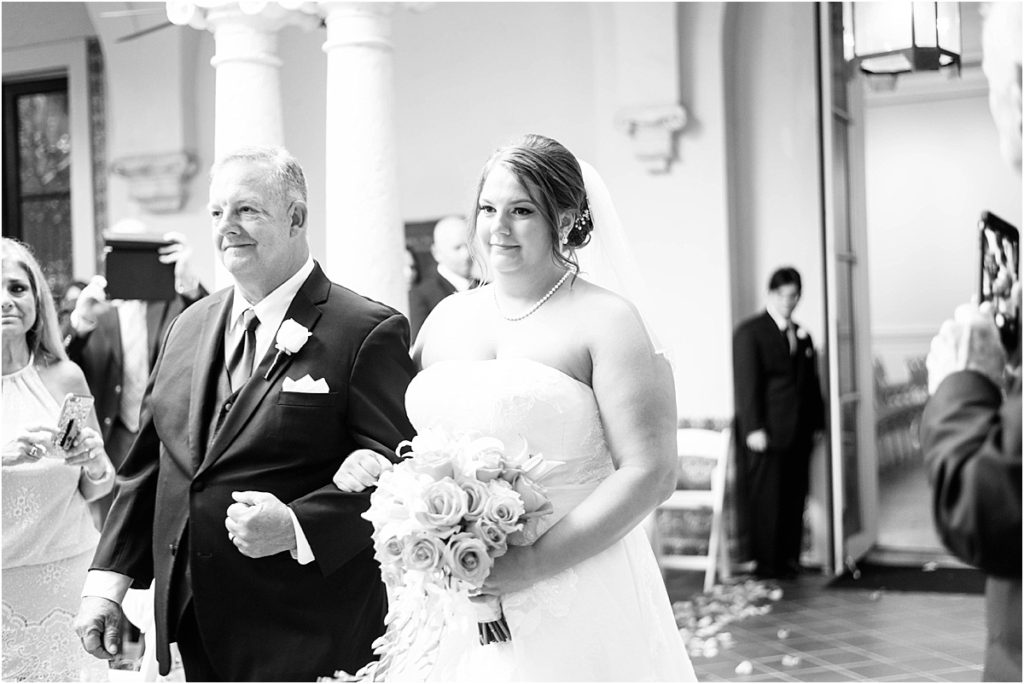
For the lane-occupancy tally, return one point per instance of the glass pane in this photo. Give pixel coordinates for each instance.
(44, 143)
(852, 517)
(844, 316)
(840, 185)
(46, 227)
(838, 47)
(949, 26)
(881, 26)
(924, 24)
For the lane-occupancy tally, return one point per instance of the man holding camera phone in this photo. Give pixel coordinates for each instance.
(115, 344)
(970, 431)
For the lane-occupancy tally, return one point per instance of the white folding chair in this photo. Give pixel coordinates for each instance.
(712, 445)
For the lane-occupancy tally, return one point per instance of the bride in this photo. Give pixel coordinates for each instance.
(545, 355)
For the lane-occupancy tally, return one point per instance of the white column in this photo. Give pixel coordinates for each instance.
(365, 235)
(248, 97)
(248, 107)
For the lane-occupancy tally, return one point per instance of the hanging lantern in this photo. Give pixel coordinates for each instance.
(900, 37)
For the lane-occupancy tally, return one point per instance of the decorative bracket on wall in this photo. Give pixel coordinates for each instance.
(653, 130)
(158, 182)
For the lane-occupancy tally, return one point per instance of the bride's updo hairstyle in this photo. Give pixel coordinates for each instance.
(552, 178)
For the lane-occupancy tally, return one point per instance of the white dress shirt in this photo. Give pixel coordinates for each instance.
(271, 311)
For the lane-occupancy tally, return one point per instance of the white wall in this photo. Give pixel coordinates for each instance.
(933, 165)
(774, 157)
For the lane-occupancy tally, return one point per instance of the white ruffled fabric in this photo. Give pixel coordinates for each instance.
(605, 619)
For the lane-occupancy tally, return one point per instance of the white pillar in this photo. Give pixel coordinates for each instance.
(248, 107)
(365, 235)
(248, 97)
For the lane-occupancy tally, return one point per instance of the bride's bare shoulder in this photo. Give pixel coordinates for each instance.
(603, 306)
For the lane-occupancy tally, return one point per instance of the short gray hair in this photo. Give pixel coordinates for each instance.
(285, 171)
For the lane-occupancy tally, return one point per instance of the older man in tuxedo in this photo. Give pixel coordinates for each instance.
(779, 410)
(264, 570)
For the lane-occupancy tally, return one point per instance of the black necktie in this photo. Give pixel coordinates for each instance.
(240, 365)
(791, 338)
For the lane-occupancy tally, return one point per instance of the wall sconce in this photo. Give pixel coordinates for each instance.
(900, 37)
(653, 130)
(158, 182)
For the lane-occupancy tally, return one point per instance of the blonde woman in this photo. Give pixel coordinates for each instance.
(48, 533)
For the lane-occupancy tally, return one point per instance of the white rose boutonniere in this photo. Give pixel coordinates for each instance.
(291, 337)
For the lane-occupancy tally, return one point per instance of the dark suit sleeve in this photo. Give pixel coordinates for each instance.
(126, 544)
(76, 344)
(748, 377)
(377, 420)
(972, 448)
(814, 398)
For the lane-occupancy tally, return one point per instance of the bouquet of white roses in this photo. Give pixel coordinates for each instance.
(440, 518)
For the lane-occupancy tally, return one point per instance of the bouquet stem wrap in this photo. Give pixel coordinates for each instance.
(490, 621)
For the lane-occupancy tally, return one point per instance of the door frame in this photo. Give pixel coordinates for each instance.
(847, 547)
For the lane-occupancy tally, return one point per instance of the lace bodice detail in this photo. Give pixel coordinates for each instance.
(515, 399)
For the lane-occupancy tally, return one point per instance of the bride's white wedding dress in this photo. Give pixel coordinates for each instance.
(607, 618)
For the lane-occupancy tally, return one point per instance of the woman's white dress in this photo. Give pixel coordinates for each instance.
(48, 542)
(606, 619)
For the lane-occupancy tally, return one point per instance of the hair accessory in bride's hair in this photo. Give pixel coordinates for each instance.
(582, 225)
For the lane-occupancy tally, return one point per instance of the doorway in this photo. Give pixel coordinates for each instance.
(932, 166)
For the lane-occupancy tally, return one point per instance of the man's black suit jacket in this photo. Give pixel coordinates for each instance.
(269, 618)
(424, 296)
(971, 441)
(100, 355)
(775, 391)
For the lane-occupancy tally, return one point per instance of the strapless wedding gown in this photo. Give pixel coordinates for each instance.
(605, 619)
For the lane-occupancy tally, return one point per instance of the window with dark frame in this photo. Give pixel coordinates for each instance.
(37, 172)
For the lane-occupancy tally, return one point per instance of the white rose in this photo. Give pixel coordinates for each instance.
(291, 337)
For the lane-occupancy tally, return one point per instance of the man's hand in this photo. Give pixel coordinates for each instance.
(259, 524)
(757, 441)
(92, 302)
(969, 341)
(360, 470)
(179, 253)
(98, 625)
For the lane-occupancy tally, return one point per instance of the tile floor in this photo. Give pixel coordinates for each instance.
(850, 635)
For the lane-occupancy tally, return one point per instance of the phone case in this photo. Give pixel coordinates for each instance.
(1000, 256)
(73, 413)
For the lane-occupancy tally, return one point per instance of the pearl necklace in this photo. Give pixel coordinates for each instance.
(536, 306)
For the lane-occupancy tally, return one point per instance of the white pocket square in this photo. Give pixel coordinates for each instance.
(306, 384)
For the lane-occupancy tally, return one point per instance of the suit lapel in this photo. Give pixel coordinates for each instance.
(208, 351)
(304, 311)
(771, 331)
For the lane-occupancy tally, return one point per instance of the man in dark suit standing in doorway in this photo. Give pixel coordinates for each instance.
(779, 411)
(453, 274)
